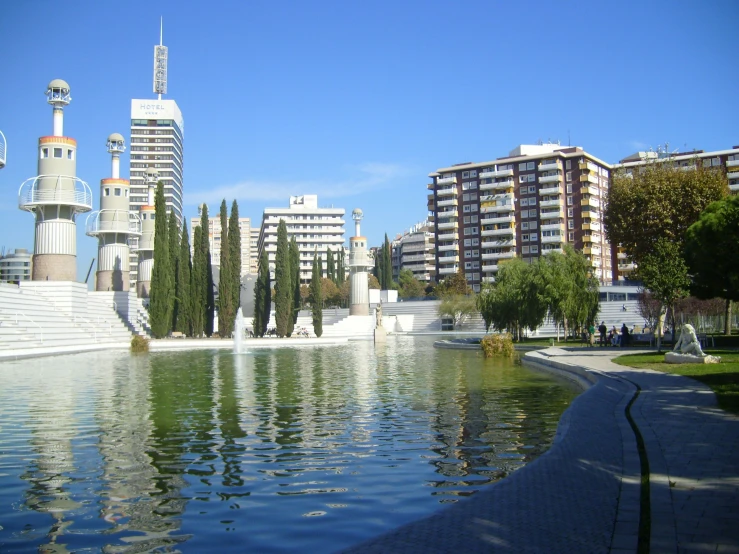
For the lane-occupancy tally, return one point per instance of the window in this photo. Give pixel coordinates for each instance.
(465, 175)
(57, 152)
(523, 190)
(44, 152)
(473, 196)
(466, 208)
(525, 237)
(468, 265)
(534, 236)
(466, 197)
(524, 213)
(474, 230)
(568, 164)
(569, 200)
(532, 201)
(473, 185)
(522, 166)
(467, 242)
(569, 188)
(570, 212)
(568, 176)
(522, 178)
(475, 242)
(532, 224)
(70, 154)
(117, 191)
(571, 224)
(475, 253)
(531, 165)
(107, 191)
(524, 225)
(473, 207)
(571, 236)
(531, 177)
(473, 173)
(473, 219)
(532, 188)
(468, 276)
(468, 253)
(475, 265)
(534, 249)
(524, 249)
(532, 213)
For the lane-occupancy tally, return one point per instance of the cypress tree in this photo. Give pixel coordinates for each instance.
(197, 284)
(387, 265)
(316, 296)
(340, 271)
(162, 287)
(182, 290)
(234, 245)
(210, 301)
(295, 270)
(377, 270)
(283, 282)
(330, 268)
(226, 311)
(262, 296)
(173, 238)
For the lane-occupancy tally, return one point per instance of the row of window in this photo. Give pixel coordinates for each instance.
(57, 153)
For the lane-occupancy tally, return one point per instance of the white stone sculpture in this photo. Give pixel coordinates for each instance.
(688, 349)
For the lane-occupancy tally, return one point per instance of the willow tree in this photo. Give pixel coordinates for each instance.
(226, 310)
(161, 297)
(316, 296)
(283, 282)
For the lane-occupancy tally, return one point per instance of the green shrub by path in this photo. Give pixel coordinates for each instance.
(497, 345)
(723, 378)
(139, 344)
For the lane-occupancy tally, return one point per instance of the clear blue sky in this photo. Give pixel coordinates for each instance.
(358, 102)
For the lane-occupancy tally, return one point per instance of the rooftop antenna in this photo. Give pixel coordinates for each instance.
(160, 63)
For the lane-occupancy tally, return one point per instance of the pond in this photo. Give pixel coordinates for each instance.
(310, 449)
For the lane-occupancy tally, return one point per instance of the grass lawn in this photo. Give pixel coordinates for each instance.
(723, 378)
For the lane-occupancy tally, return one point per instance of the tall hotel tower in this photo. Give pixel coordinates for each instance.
(55, 197)
(157, 131)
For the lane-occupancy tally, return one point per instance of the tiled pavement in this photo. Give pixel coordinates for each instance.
(583, 494)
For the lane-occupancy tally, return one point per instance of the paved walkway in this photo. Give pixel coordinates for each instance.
(583, 495)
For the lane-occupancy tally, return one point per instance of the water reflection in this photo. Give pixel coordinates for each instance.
(313, 448)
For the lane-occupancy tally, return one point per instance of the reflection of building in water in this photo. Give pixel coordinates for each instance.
(53, 428)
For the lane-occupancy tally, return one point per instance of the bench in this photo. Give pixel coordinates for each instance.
(177, 335)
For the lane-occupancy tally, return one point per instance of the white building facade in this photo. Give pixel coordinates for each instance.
(314, 228)
(214, 239)
(415, 250)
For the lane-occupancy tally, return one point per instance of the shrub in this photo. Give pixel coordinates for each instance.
(497, 345)
(139, 344)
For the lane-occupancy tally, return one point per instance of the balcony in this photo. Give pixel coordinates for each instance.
(446, 214)
(550, 166)
(550, 190)
(447, 191)
(550, 250)
(447, 247)
(621, 256)
(552, 214)
(497, 209)
(487, 268)
(500, 185)
(447, 202)
(498, 255)
(448, 270)
(428, 258)
(496, 220)
(498, 232)
(594, 191)
(590, 250)
(593, 226)
(589, 178)
(588, 166)
(499, 243)
(689, 167)
(734, 188)
(448, 225)
(446, 181)
(430, 186)
(552, 240)
(553, 227)
(626, 268)
(550, 179)
(488, 279)
(449, 236)
(549, 203)
(590, 201)
(495, 174)
(732, 163)
(733, 175)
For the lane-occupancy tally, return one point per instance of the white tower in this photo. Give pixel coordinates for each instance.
(114, 225)
(359, 264)
(55, 196)
(146, 244)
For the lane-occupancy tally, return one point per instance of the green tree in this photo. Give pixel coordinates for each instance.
(340, 268)
(283, 282)
(182, 294)
(316, 296)
(373, 282)
(387, 266)
(710, 249)
(262, 296)
(161, 299)
(173, 237)
(410, 287)
(234, 246)
(665, 274)
(330, 292)
(295, 283)
(197, 285)
(453, 285)
(377, 270)
(458, 307)
(659, 201)
(210, 305)
(330, 267)
(226, 310)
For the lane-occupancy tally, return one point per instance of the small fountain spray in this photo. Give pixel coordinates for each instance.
(239, 328)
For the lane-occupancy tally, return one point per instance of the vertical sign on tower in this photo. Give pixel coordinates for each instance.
(160, 65)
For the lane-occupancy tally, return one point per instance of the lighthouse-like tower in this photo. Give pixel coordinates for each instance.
(146, 244)
(113, 225)
(55, 196)
(359, 264)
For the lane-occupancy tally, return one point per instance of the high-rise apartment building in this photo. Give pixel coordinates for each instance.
(254, 251)
(415, 250)
(15, 266)
(315, 229)
(526, 204)
(214, 239)
(157, 139)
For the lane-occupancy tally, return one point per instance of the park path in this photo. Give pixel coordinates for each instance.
(583, 495)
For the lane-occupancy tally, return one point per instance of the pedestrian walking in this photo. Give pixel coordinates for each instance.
(602, 329)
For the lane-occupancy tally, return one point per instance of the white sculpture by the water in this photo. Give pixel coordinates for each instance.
(688, 349)
(239, 332)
